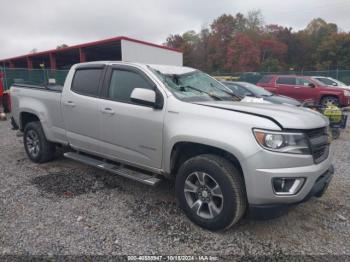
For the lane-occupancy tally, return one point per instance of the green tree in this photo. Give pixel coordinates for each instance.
(255, 20)
(334, 52)
(270, 65)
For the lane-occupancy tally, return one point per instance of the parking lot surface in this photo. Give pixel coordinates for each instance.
(67, 208)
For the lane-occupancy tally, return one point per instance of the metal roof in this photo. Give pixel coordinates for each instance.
(89, 44)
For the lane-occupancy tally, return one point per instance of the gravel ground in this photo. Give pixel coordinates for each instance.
(67, 208)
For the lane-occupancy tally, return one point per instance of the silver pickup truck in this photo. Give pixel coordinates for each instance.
(146, 122)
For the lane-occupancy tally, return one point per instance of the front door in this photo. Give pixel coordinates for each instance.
(307, 89)
(130, 132)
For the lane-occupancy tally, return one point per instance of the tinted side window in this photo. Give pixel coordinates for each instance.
(265, 79)
(124, 82)
(86, 81)
(286, 81)
(326, 81)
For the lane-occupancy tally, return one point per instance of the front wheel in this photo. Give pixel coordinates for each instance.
(211, 192)
(329, 101)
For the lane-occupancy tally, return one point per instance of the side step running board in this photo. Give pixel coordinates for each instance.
(115, 169)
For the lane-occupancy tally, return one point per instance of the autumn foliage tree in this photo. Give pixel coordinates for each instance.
(243, 54)
(238, 43)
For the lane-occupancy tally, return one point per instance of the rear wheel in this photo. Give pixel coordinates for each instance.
(329, 100)
(37, 147)
(211, 192)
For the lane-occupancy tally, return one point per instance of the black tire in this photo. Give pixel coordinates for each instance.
(46, 149)
(329, 100)
(335, 133)
(231, 183)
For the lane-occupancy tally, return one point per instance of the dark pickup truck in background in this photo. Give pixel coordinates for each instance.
(305, 88)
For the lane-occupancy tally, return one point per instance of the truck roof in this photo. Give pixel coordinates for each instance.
(164, 69)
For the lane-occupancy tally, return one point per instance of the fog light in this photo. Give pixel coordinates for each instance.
(287, 186)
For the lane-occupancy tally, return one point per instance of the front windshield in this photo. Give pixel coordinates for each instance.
(194, 86)
(258, 91)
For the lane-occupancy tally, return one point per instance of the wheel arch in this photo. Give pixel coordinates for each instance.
(26, 117)
(182, 151)
(329, 95)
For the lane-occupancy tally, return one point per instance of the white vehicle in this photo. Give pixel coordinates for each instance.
(147, 122)
(329, 81)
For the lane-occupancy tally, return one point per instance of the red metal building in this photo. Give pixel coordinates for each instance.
(117, 48)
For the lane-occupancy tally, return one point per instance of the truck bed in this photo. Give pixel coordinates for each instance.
(43, 99)
(53, 88)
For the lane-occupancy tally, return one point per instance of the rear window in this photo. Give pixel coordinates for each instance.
(286, 81)
(86, 81)
(265, 79)
(303, 82)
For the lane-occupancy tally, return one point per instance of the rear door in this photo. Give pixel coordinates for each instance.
(80, 108)
(286, 85)
(130, 132)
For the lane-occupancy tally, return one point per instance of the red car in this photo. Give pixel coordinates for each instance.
(305, 88)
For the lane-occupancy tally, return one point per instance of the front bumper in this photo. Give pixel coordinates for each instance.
(258, 180)
(274, 210)
(345, 101)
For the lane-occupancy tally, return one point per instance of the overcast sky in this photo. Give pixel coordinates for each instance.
(44, 24)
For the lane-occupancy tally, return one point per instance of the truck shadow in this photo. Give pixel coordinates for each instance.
(75, 182)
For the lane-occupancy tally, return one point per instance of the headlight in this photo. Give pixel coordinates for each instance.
(283, 142)
(346, 93)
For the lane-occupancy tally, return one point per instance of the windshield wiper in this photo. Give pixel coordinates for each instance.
(238, 98)
(202, 91)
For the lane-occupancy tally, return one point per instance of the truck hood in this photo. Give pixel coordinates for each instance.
(290, 117)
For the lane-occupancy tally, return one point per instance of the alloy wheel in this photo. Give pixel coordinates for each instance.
(33, 143)
(203, 195)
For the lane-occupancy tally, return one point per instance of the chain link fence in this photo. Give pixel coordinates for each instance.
(32, 76)
(41, 76)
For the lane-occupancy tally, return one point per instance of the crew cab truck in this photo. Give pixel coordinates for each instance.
(306, 88)
(146, 122)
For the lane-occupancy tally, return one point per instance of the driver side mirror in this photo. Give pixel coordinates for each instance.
(312, 85)
(145, 97)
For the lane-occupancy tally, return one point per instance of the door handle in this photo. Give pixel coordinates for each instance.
(297, 87)
(69, 103)
(108, 111)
